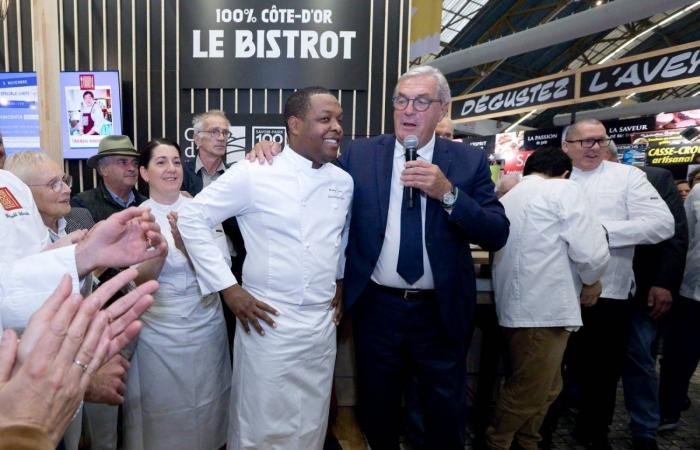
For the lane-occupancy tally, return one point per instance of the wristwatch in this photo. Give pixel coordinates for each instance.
(449, 198)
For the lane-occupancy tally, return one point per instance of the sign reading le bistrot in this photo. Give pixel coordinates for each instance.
(261, 44)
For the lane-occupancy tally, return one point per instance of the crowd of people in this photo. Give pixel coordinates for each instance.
(264, 257)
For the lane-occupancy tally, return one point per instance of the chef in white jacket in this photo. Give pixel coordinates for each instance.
(556, 245)
(633, 213)
(292, 215)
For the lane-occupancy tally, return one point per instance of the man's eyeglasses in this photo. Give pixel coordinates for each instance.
(218, 132)
(420, 103)
(56, 184)
(589, 143)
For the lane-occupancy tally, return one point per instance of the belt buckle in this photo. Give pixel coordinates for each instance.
(408, 292)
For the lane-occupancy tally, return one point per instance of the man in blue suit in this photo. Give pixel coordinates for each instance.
(409, 277)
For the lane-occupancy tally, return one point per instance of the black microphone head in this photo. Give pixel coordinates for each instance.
(411, 141)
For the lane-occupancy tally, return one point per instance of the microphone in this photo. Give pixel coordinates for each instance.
(410, 143)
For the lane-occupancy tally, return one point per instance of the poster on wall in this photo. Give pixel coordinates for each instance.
(19, 118)
(246, 131)
(681, 119)
(261, 44)
(91, 104)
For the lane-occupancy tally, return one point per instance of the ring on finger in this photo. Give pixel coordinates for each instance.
(82, 365)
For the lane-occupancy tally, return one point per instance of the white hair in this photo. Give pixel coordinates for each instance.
(24, 165)
(420, 71)
(199, 119)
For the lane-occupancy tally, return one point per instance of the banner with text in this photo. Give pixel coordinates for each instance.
(662, 69)
(265, 45)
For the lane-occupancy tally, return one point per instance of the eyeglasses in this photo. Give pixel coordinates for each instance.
(56, 184)
(589, 143)
(217, 132)
(420, 103)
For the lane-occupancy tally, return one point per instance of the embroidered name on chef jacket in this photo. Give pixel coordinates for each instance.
(336, 193)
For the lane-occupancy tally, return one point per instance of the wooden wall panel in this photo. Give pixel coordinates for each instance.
(140, 38)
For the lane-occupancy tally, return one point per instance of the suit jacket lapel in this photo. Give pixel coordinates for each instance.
(384, 164)
(441, 158)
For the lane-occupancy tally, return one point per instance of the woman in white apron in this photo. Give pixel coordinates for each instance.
(179, 380)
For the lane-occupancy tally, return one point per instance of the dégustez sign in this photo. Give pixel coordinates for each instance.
(267, 45)
(522, 96)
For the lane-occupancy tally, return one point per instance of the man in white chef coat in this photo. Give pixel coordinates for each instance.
(292, 215)
(633, 213)
(555, 255)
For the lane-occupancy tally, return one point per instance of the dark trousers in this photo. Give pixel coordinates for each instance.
(681, 355)
(602, 351)
(396, 339)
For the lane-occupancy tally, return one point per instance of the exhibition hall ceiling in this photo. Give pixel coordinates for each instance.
(468, 23)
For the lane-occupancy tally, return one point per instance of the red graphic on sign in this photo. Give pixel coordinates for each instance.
(87, 81)
(7, 200)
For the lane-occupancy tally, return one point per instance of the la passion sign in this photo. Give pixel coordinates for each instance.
(662, 69)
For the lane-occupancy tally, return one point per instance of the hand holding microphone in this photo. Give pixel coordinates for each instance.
(422, 176)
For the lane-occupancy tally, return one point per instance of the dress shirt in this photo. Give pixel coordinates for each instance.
(690, 287)
(292, 218)
(385, 270)
(555, 243)
(27, 275)
(120, 201)
(207, 179)
(631, 211)
(53, 235)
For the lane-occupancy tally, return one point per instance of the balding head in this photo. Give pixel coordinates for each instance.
(586, 143)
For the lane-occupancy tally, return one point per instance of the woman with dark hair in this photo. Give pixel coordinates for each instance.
(179, 380)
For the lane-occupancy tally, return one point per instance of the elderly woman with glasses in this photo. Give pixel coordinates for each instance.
(51, 189)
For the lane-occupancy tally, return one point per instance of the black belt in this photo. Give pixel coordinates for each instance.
(406, 294)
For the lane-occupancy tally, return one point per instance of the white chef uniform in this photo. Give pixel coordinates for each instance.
(292, 218)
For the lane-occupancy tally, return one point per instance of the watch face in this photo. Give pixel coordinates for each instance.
(448, 198)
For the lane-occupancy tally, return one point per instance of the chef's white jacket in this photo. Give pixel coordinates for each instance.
(292, 218)
(555, 243)
(631, 211)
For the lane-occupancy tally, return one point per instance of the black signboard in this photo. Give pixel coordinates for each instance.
(642, 73)
(514, 98)
(262, 44)
(546, 137)
(621, 130)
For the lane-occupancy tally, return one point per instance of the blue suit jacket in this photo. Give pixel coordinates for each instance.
(477, 217)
